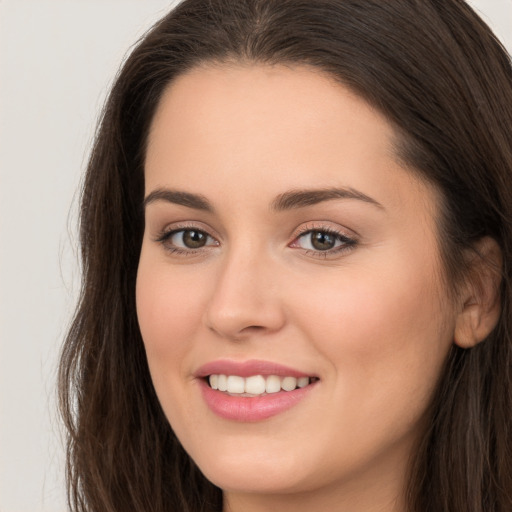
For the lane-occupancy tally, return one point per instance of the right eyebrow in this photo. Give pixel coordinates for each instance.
(303, 198)
(195, 201)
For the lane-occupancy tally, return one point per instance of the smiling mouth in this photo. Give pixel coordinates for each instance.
(256, 385)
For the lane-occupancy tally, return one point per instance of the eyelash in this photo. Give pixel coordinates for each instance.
(165, 236)
(346, 243)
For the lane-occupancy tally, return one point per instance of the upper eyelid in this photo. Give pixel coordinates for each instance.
(166, 233)
(325, 226)
(302, 230)
(174, 227)
(164, 239)
(347, 239)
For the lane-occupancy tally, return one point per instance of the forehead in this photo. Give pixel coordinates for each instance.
(256, 124)
(256, 98)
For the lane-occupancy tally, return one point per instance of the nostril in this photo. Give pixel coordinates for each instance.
(249, 331)
(251, 328)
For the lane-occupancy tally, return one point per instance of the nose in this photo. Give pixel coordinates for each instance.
(246, 298)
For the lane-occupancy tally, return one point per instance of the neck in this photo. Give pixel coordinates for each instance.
(382, 493)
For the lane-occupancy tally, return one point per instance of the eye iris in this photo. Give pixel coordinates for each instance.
(194, 239)
(322, 241)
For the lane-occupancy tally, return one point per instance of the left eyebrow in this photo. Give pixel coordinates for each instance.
(194, 201)
(302, 198)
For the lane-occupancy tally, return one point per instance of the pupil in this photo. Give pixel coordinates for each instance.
(322, 241)
(194, 239)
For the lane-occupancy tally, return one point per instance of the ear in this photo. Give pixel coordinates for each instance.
(480, 305)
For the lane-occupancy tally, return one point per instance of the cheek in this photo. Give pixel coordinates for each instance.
(169, 312)
(370, 312)
(385, 335)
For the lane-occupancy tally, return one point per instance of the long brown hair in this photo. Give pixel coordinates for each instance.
(438, 74)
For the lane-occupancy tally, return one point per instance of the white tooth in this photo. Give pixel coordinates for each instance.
(222, 383)
(289, 383)
(236, 384)
(302, 382)
(214, 381)
(273, 384)
(255, 385)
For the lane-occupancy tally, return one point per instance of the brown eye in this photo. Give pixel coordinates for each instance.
(187, 239)
(193, 239)
(322, 241)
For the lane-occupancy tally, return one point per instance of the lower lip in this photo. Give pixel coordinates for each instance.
(247, 409)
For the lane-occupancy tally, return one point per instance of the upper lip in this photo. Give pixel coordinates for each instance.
(248, 368)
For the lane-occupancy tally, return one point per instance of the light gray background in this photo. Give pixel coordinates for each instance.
(57, 60)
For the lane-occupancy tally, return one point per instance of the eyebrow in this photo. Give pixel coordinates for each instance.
(290, 200)
(303, 198)
(195, 201)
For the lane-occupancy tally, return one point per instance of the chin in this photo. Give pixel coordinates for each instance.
(254, 473)
(252, 482)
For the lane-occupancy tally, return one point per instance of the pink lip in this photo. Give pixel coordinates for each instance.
(250, 409)
(248, 368)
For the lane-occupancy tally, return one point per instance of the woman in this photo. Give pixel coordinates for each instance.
(296, 237)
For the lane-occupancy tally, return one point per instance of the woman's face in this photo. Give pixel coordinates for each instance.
(286, 246)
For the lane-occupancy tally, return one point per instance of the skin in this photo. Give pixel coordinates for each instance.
(372, 321)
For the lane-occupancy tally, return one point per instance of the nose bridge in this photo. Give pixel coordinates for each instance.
(244, 298)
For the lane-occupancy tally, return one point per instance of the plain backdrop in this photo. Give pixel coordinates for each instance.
(57, 60)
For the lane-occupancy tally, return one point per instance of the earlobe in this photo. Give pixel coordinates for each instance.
(480, 304)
